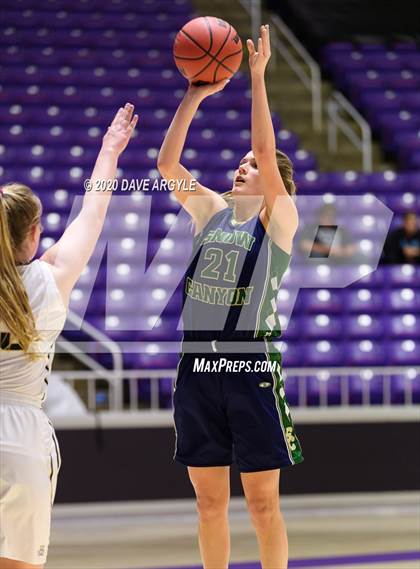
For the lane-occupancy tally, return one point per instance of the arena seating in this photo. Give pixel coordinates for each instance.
(55, 104)
(383, 82)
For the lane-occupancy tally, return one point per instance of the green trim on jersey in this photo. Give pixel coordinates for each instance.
(268, 324)
(292, 442)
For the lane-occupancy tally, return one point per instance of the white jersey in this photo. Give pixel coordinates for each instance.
(23, 378)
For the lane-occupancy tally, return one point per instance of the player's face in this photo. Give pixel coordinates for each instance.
(246, 179)
(410, 223)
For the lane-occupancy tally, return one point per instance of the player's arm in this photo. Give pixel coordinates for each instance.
(70, 255)
(201, 203)
(280, 211)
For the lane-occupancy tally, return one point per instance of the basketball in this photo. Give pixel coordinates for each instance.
(207, 50)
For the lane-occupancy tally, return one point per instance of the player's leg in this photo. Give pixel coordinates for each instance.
(11, 564)
(27, 482)
(262, 497)
(25, 511)
(212, 489)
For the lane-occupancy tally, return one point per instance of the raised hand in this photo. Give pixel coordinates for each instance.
(119, 132)
(259, 58)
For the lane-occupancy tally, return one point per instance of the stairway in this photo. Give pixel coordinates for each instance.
(290, 99)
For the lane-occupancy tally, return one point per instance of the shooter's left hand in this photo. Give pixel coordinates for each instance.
(258, 59)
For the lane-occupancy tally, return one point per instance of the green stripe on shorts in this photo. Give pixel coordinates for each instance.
(292, 441)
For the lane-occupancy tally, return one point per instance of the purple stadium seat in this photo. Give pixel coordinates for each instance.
(384, 84)
(291, 389)
(321, 300)
(404, 326)
(404, 352)
(363, 300)
(347, 182)
(403, 300)
(388, 181)
(365, 325)
(388, 61)
(310, 182)
(366, 351)
(374, 279)
(322, 326)
(399, 275)
(292, 330)
(291, 352)
(323, 353)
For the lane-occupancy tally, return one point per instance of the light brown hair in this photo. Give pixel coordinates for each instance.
(20, 209)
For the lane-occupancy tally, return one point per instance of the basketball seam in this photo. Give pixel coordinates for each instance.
(221, 63)
(206, 52)
(192, 39)
(210, 32)
(214, 57)
(190, 58)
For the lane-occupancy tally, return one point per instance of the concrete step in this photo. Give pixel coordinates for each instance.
(290, 98)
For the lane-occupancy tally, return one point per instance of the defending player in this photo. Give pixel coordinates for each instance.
(216, 413)
(34, 296)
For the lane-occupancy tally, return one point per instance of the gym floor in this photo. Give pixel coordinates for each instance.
(350, 531)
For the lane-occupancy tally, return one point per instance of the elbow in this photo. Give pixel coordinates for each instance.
(164, 166)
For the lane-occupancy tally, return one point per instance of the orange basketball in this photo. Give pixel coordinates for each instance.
(207, 50)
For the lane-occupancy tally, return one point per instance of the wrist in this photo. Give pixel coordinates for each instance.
(258, 76)
(109, 151)
(193, 96)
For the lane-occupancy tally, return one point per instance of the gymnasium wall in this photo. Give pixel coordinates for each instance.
(136, 463)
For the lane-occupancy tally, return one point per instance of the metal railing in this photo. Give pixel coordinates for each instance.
(344, 373)
(253, 7)
(97, 371)
(296, 56)
(282, 40)
(337, 106)
(302, 375)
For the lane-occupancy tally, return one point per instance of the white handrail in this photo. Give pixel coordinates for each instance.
(336, 105)
(253, 7)
(133, 375)
(114, 376)
(311, 80)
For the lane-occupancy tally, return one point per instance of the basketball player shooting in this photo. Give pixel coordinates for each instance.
(219, 416)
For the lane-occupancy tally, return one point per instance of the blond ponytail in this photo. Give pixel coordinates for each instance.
(19, 210)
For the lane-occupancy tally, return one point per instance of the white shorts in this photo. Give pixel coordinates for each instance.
(29, 464)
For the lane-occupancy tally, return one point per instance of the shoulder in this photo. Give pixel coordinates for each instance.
(49, 273)
(281, 244)
(215, 218)
(283, 239)
(44, 296)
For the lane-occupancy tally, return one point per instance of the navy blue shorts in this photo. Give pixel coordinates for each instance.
(223, 415)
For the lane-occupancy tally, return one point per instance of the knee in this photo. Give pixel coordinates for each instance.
(263, 511)
(211, 508)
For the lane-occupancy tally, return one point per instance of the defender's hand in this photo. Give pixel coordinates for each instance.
(121, 129)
